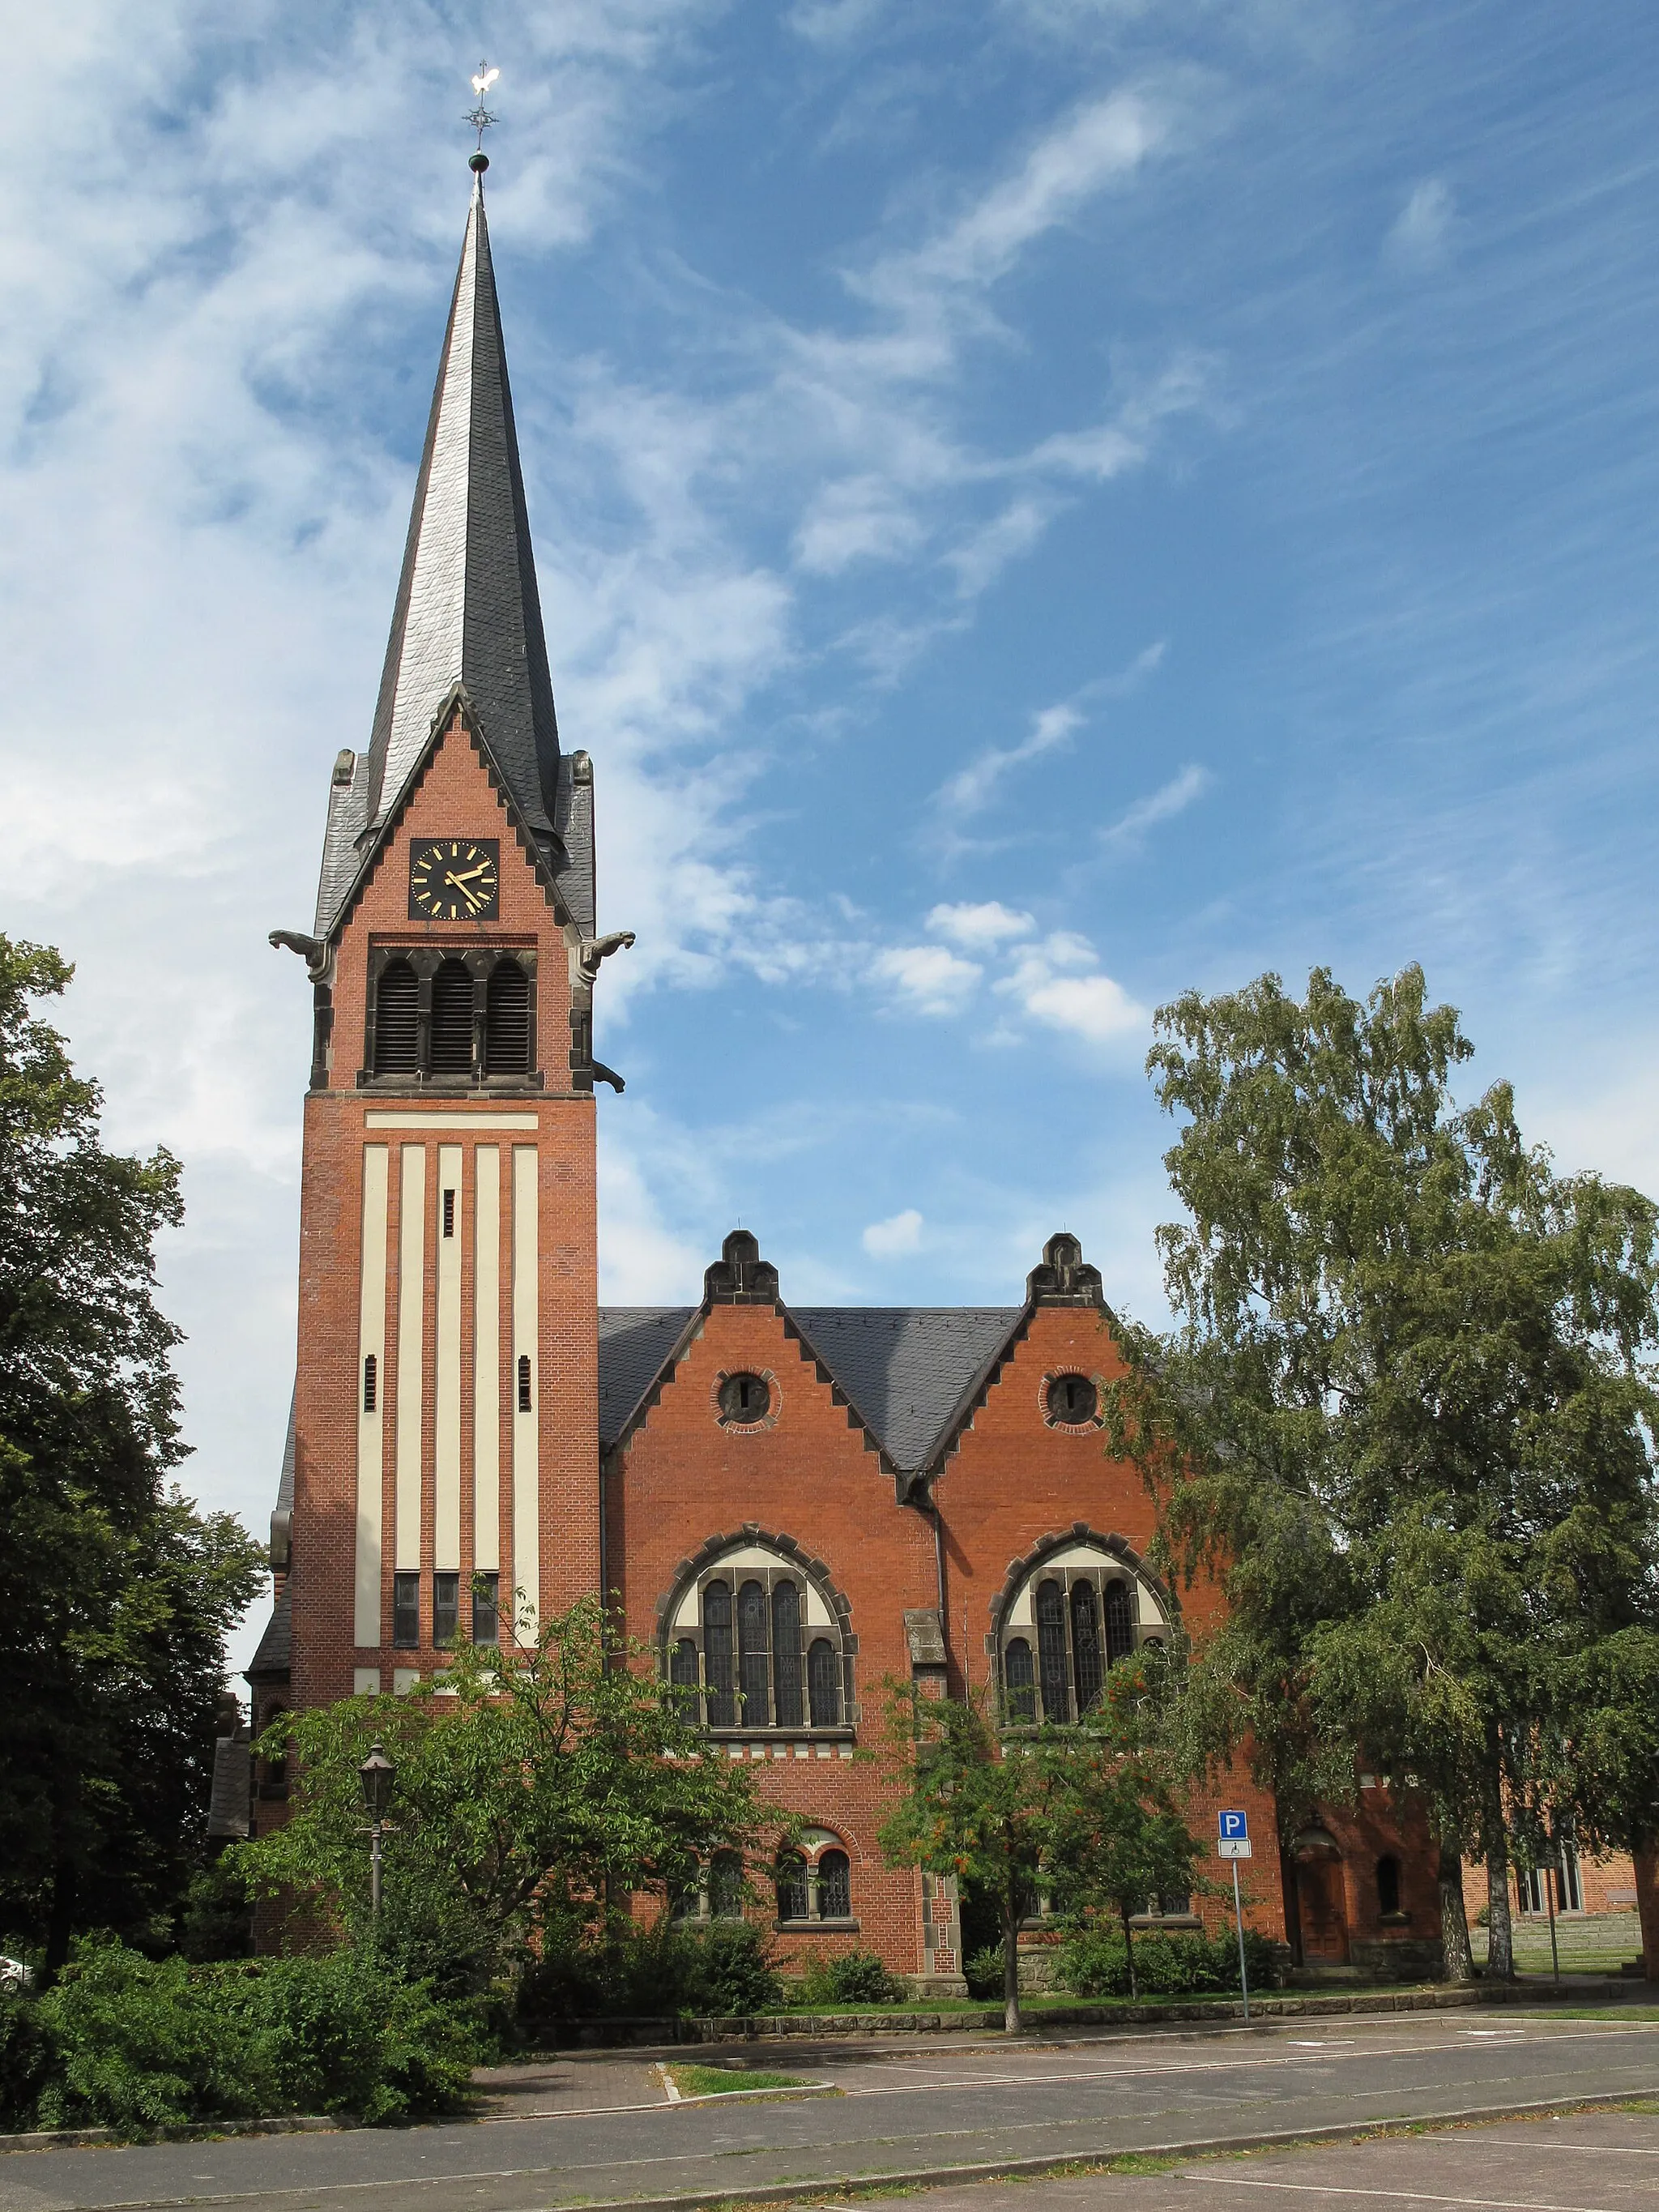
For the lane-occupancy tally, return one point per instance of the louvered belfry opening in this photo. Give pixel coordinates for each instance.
(396, 1019)
(507, 1032)
(451, 1020)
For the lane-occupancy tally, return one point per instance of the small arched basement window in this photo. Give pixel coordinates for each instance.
(834, 1886)
(451, 1020)
(506, 1020)
(396, 1019)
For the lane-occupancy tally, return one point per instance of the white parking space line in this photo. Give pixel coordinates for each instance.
(1399, 2196)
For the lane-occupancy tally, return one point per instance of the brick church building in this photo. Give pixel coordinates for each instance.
(793, 1504)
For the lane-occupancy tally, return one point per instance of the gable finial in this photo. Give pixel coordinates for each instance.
(480, 116)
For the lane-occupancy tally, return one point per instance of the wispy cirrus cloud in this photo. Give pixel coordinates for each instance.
(973, 788)
(1170, 798)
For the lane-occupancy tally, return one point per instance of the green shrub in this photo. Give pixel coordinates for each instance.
(853, 1978)
(25, 2058)
(217, 1920)
(668, 1968)
(983, 1972)
(1094, 1964)
(141, 2045)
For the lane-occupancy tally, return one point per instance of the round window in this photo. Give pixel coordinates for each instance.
(1072, 1399)
(744, 1400)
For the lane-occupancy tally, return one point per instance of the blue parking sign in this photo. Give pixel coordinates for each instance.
(1234, 1826)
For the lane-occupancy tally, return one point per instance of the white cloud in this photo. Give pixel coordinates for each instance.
(1420, 236)
(1052, 983)
(979, 928)
(887, 1240)
(1161, 806)
(975, 786)
(933, 981)
(1100, 143)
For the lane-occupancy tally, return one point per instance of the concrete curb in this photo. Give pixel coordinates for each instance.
(835, 2186)
(291, 2123)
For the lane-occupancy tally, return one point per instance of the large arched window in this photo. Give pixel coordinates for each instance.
(506, 1020)
(754, 1642)
(396, 1022)
(1083, 1607)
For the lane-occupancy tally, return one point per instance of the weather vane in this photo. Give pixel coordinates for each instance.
(480, 116)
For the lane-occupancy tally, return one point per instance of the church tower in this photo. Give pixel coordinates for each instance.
(445, 1421)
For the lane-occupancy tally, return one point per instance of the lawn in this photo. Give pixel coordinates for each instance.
(692, 2081)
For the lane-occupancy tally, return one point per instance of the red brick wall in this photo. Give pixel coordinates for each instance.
(684, 1478)
(455, 796)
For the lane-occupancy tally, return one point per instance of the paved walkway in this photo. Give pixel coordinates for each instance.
(582, 2136)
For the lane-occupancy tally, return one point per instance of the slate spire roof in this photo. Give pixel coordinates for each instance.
(467, 610)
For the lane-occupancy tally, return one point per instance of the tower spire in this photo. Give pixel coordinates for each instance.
(467, 609)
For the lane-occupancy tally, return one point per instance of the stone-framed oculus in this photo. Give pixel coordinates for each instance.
(455, 879)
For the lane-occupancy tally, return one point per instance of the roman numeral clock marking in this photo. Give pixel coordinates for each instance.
(454, 880)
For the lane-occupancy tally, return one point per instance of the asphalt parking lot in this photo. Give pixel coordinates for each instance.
(593, 2129)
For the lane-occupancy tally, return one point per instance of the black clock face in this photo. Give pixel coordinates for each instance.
(455, 879)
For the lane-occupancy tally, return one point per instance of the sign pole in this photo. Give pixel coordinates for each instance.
(1238, 1922)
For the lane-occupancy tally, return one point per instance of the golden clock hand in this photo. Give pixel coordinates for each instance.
(475, 903)
(467, 874)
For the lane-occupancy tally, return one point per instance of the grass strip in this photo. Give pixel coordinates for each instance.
(694, 2080)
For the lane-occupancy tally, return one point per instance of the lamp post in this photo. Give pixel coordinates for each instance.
(376, 1772)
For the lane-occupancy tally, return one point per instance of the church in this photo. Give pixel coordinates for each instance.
(791, 1505)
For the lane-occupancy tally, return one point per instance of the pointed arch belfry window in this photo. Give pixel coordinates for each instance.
(507, 1019)
(397, 1019)
(451, 1020)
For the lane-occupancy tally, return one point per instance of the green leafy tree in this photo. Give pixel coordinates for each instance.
(1406, 1417)
(538, 1789)
(115, 1595)
(1117, 1841)
(969, 1810)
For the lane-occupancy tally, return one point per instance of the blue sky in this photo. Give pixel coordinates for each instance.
(1039, 504)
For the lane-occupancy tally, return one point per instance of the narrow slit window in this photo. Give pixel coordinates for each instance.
(449, 1213)
(406, 1611)
(1119, 1623)
(754, 1660)
(1051, 1652)
(487, 1608)
(786, 1654)
(1019, 1679)
(446, 1608)
(371, 1382)
(834, 1886)
(717, 1654)
(824, 1683)
(524, 1381)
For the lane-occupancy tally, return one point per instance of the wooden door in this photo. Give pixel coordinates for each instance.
(1319, 1890)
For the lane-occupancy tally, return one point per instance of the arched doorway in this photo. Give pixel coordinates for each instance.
(1321, 1897)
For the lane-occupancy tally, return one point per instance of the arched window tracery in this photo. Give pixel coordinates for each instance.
(755, 1645)
(1079, 1610)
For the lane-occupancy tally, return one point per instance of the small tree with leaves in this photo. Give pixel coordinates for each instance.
(540, 1786)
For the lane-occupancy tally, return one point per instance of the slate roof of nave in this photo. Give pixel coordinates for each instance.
(906, 1370)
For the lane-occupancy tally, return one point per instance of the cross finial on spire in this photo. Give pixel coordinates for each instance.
(480, 116)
